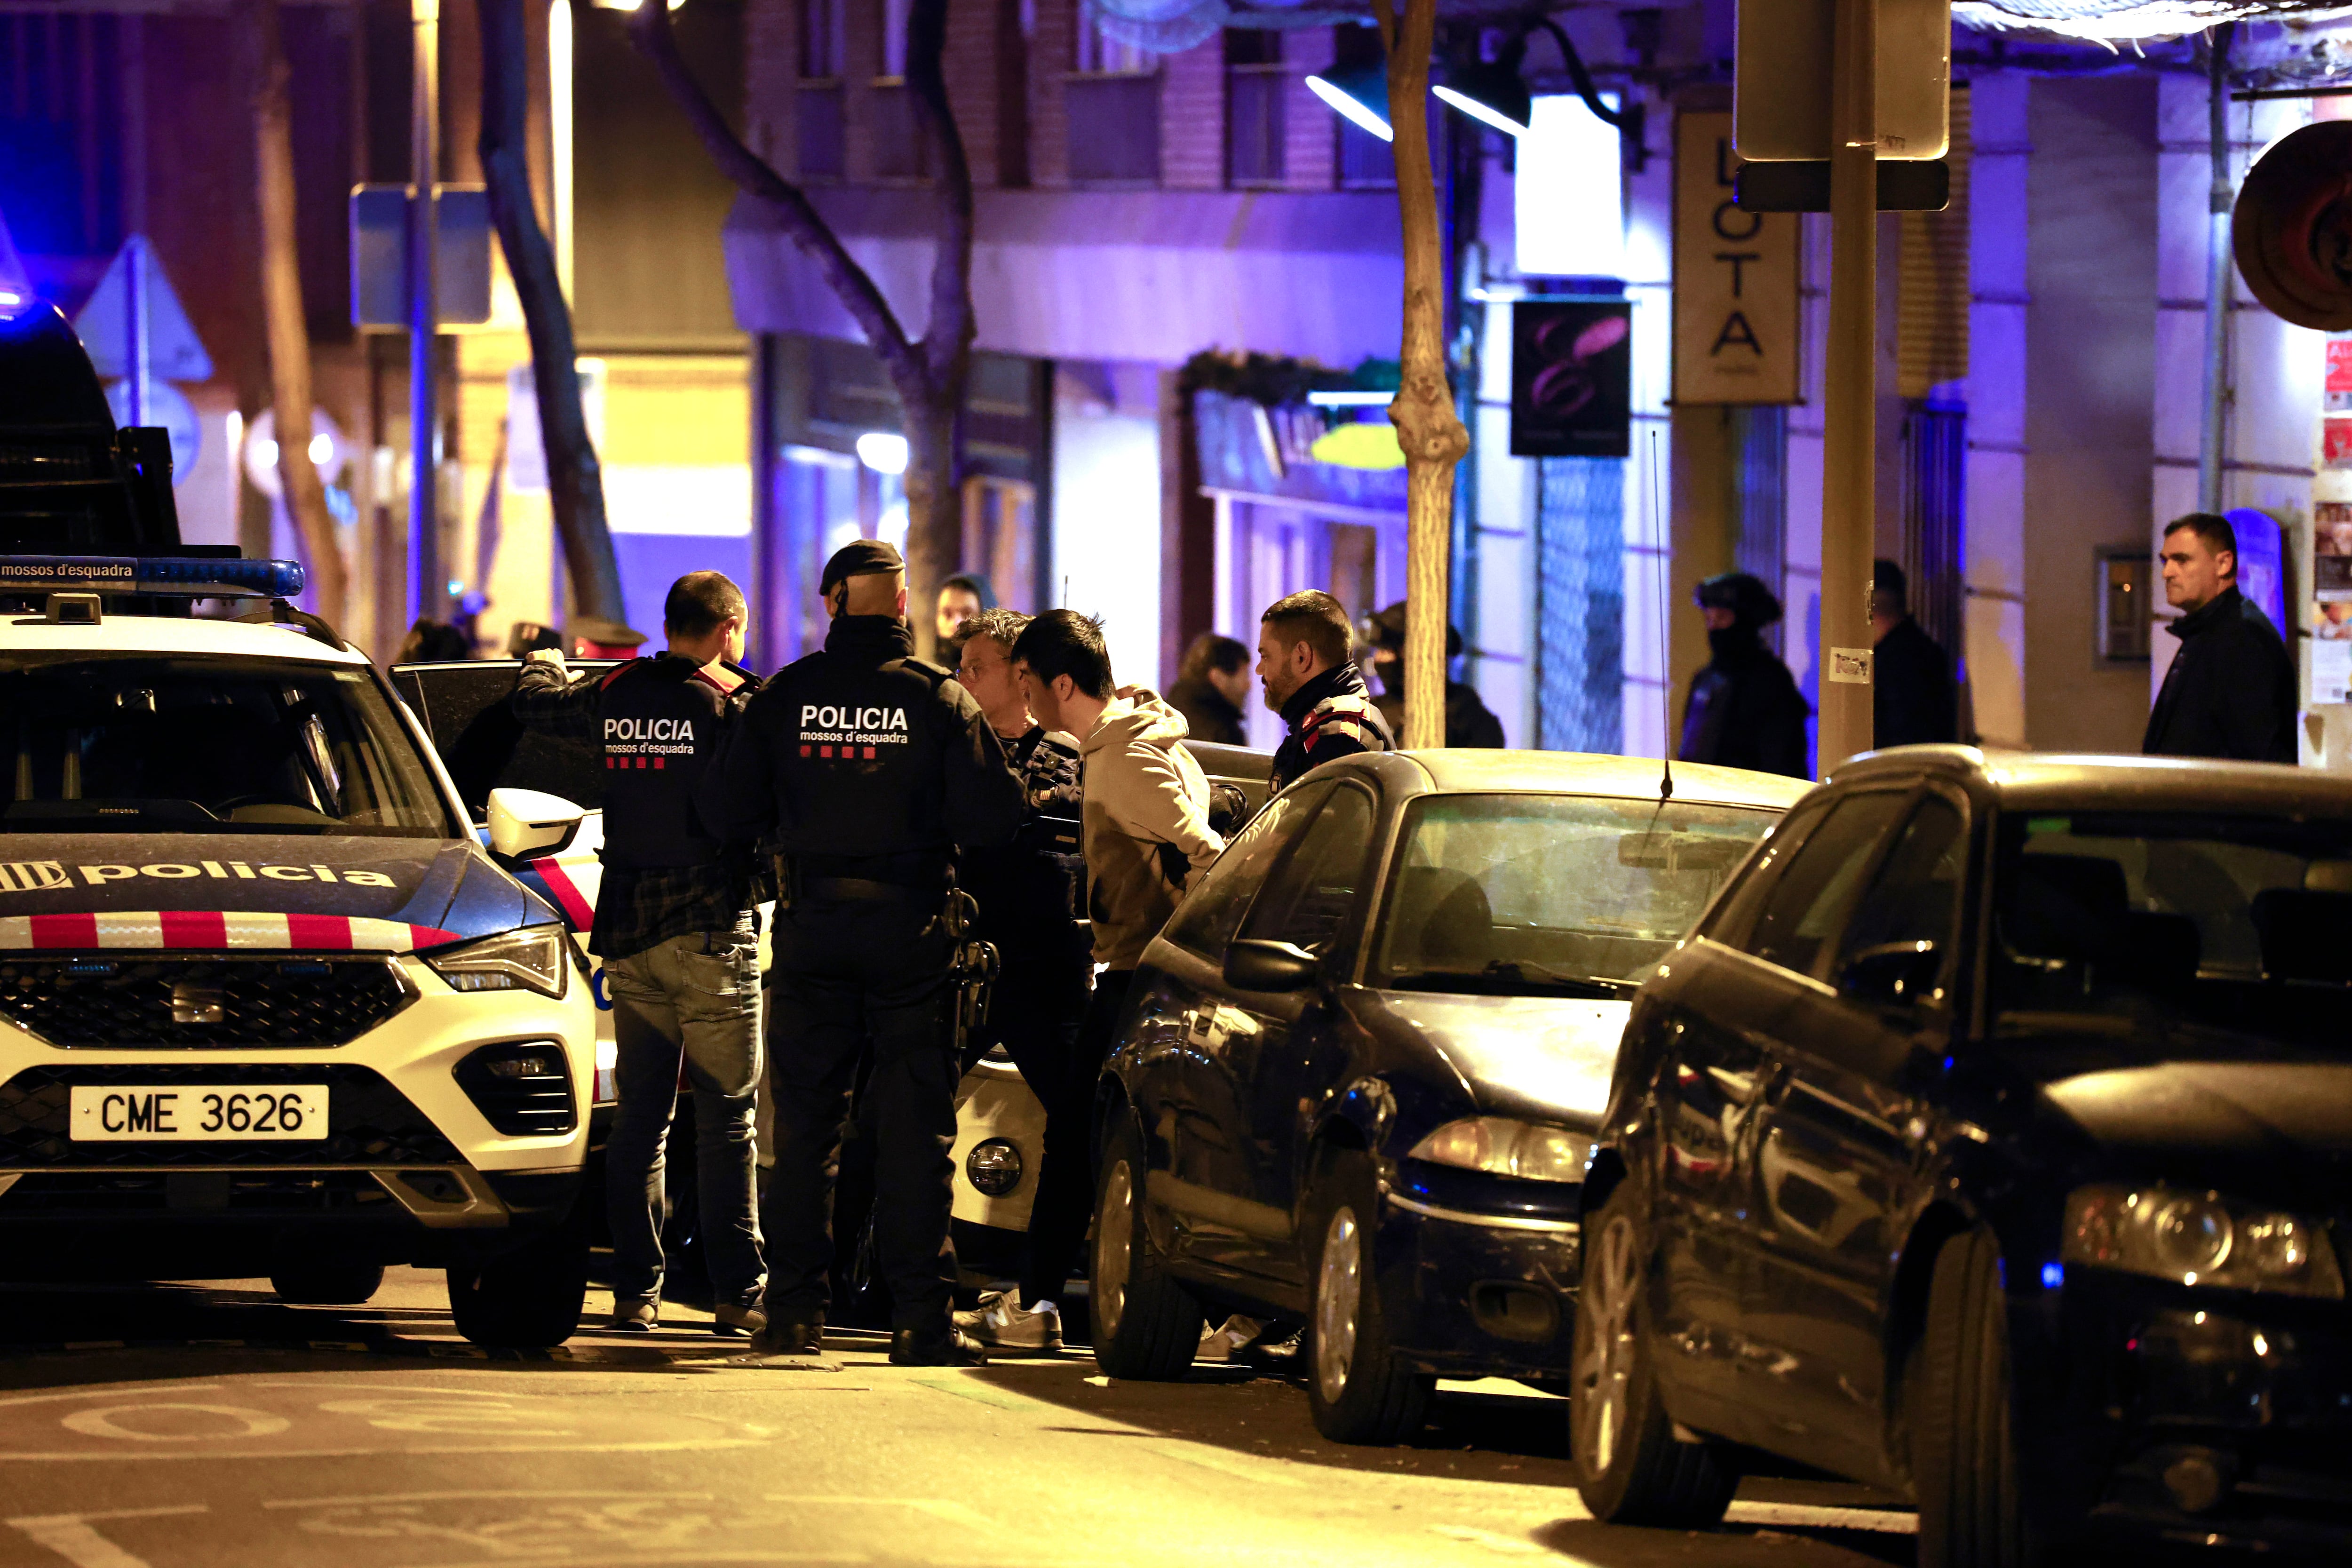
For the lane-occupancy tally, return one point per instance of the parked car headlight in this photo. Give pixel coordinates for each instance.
(2199, 1239)
(1502, 1147)
(529, 959)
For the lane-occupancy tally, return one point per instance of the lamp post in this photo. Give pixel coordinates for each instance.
(425, 587)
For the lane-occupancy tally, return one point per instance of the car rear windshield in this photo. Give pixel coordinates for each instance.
(148, 744)
(1574, 894)
(2245, 922)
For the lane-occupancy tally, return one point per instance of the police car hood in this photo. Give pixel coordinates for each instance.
(203, 890)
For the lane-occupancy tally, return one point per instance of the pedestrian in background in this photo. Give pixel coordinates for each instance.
(1913, 700)
(1303, 647)
(1147, 838)
(2231, 689)
(1211, 684)
(1468, 721)
(1027, 894)
(676, 928)
(961, 597)
(868, 767)
(1744, 709)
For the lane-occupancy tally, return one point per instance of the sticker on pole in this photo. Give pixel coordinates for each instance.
(1849, 666)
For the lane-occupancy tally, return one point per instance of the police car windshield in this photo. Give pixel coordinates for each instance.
(148, 744)
(1570, 895)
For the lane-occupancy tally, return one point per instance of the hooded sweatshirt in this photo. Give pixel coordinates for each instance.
(1146, 815)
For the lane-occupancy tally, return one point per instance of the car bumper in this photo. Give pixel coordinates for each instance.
(1477, 1295)
(411, 1168)
(2209, 1417)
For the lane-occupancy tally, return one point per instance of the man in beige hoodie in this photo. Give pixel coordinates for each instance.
(1147, 840)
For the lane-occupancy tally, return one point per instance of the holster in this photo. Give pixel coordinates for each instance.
(975, 970)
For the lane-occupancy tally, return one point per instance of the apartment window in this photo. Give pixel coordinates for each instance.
(900, 150)
(1112, 94)
(1365, 161)
(1255, 86)
(816, 102)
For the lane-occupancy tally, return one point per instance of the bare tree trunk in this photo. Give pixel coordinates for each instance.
(575, 481)
(281, 309)
(930, 373)
(1430, 431)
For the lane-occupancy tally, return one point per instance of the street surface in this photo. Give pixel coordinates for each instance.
(190, 1427)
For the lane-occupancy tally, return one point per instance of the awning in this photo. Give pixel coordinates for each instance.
(1148, 276)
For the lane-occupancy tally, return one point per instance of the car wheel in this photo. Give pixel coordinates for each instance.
(1963, 1449)
(530, 1299)
(1360, 1390)
(1146, 1325)
(327, 1284)
(1630, 1469)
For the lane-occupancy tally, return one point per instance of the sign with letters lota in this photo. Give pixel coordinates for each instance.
(1735, 276)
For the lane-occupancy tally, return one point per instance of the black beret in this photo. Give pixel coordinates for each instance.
(860, 558)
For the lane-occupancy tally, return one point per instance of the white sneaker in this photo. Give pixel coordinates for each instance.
(1001, 1322)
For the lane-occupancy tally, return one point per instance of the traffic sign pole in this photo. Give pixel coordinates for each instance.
(1849, 500)
(426, 592)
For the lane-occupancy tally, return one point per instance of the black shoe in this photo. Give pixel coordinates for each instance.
(790, 1339)
(934, 1347)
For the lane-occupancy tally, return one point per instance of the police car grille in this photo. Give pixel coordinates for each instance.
(369, 1123)
(200, 1002)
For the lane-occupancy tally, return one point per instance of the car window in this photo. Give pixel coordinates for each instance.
(1212, 913)
(211, 743)
(1734, 913)
(1807, 904)
(1916, 897)
(485, 746)
(1309, 900)
(1520, 892)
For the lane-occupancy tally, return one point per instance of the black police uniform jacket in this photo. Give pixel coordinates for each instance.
(1913, 700)
(1329, 716)
(1027, 890)
(1744, 709)
(863, 760)
(2231, 689)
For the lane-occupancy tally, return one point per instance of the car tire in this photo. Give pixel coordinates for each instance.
(1359, 1389)
(530, 1299)
(1146, 1325)
(1963, 1447)
(1630, 1468)
(327, 1284)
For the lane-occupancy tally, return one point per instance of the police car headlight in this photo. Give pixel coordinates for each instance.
(1502, 1147)
(530, 959)
(993, 1167)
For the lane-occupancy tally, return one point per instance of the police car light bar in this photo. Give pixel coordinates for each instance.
(185, 576)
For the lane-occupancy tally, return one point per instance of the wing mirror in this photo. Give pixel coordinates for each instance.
(1894, 973)
(525, 822)
(1258, 965)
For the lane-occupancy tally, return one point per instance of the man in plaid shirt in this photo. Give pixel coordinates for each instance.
(676, 929)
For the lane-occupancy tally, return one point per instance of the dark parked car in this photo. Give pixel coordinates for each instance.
(1366, 1061)
(1991, 1141)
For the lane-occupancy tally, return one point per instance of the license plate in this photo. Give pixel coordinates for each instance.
(197, 1113)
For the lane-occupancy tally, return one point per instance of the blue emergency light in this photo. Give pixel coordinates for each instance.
(183, 577)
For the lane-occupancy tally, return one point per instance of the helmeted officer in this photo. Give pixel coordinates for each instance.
(676, 929)
(868, 767)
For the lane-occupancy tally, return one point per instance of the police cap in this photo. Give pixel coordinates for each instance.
(860, 558)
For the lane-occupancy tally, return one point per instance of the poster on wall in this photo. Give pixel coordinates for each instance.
(1571, 378)
(2331, 588)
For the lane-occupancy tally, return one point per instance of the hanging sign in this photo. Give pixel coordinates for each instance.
(1571, 378)
(1735, 276)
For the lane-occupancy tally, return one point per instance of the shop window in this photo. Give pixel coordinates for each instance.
(1000, 538)
(1112, 96)
(1255, 84)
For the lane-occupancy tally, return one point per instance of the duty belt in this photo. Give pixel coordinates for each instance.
(857, 889)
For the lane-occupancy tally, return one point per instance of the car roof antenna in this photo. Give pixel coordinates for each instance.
(1660, 525)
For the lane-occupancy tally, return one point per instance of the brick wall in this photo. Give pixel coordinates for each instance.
(1051, 51)
(1310, 140)
(771, 68)
(973, 91)
(1193, 117)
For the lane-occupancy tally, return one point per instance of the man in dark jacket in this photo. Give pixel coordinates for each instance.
(2231, 689)
(676, 929)
(1303, 643)
(1744, 709)
(1913, 700)
(867, 767)
(1468, 721)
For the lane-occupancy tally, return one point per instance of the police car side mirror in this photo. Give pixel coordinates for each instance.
(1271, 966)
(529, 822)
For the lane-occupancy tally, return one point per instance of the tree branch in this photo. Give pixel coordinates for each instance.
(649, 28)
(947, 338)
(1384, 12)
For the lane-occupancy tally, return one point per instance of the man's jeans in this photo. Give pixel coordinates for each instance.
(698, 997)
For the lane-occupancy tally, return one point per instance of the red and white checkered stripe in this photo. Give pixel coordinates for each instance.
(214, 929)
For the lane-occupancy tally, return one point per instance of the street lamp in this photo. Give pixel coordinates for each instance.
(1359, 95)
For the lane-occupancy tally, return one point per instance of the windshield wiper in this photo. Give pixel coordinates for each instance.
(1526, 971)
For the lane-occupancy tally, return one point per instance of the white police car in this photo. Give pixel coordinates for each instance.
(267, 1004)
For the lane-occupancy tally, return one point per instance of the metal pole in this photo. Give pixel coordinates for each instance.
(1849, 500)
(2216, 277)
(426, 592)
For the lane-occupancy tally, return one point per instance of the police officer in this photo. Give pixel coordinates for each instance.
(676, 928)
(868, 767)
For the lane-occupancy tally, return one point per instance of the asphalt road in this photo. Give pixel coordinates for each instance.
(189, 1427)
